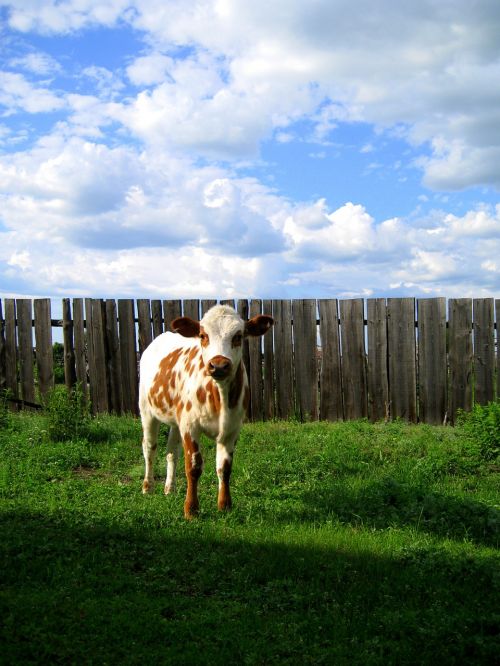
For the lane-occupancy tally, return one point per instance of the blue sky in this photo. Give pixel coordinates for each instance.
(230, 149)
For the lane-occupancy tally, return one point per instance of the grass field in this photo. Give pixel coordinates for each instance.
(348, 544)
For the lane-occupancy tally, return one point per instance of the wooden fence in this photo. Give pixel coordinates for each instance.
(419, 360)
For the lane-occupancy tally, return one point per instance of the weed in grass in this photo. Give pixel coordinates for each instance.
(482, 425)
(67, 414)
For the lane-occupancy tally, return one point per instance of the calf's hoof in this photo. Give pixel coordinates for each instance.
(191, 510)
(224, 502)
(147, 487)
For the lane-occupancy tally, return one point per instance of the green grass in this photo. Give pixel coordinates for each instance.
(348, 544)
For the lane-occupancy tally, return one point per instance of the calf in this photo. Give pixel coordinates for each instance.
(195, 380)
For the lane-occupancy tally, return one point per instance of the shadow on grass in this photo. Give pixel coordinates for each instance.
(80, 593)
(389, 503)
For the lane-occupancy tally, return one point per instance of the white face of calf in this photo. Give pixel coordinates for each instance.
(221, 333)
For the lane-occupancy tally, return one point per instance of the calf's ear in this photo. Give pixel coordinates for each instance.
(258, 325)
(186, 326)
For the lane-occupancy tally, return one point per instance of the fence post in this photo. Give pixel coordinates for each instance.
(402, 358)
(69, 350)
(144, 317)
(11, 354)
(269, 411)
(79, 346)
(243, 311)
(255, 366)
(25, 333)
(128, 353)
(171, 310)
(460, 355)
(353, 359)
(114, 359)
(283, 359)
(330, 408)
(157, 316)
(378, 380)
(306, 360)
(484, 350)
(44, 353)
(432, 359)
(3, 375)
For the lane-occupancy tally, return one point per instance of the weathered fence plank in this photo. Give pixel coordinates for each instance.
(255, 367)
(484, 350)
(80, 346)
(11, 348)
(402, 358)
(157, 317)
(432, 375)
(25, 339)
(144, 318)
(460, 355)
(268, 379)
(306, 358)
(3, 377)
(497, 308)
(98, 326)
(206, 304)
(44, 353)
(171, 310)
(353, 359)
(114, 358)
(331, 407)
(243, 310)
(128, 355)
(283, 359)
(378, 378)
(191, 308)
(68, 341)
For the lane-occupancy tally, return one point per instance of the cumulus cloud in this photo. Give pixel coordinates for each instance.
(16, 92)
(140, 174)
(252, 68)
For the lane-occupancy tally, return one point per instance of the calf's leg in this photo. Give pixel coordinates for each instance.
(193, 462)
(224, 465)
(173, 450)
(150, 428)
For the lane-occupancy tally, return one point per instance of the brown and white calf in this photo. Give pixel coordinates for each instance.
(195, 381)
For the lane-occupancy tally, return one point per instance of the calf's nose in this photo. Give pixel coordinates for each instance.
(219, 367)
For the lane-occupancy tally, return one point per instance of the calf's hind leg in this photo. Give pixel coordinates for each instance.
(173, 451)
(150, 428)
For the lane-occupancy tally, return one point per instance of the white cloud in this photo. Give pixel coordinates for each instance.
(149, 70)
(130, 182)
(429, 69)
(16, 92)
(37, 63)
(51, 16)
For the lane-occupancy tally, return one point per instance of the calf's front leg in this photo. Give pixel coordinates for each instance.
(193, 462)
(224, 467)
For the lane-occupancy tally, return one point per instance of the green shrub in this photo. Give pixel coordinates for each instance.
(67, 414)
(482, 425)
(4, 410)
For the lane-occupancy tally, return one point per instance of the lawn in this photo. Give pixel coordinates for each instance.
(348, 543)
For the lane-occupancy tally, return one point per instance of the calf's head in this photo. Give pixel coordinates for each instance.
(221, 333)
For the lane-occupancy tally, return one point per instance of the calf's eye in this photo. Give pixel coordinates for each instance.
(237, 340)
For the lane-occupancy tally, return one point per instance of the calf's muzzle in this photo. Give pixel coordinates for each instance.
(219, 367)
